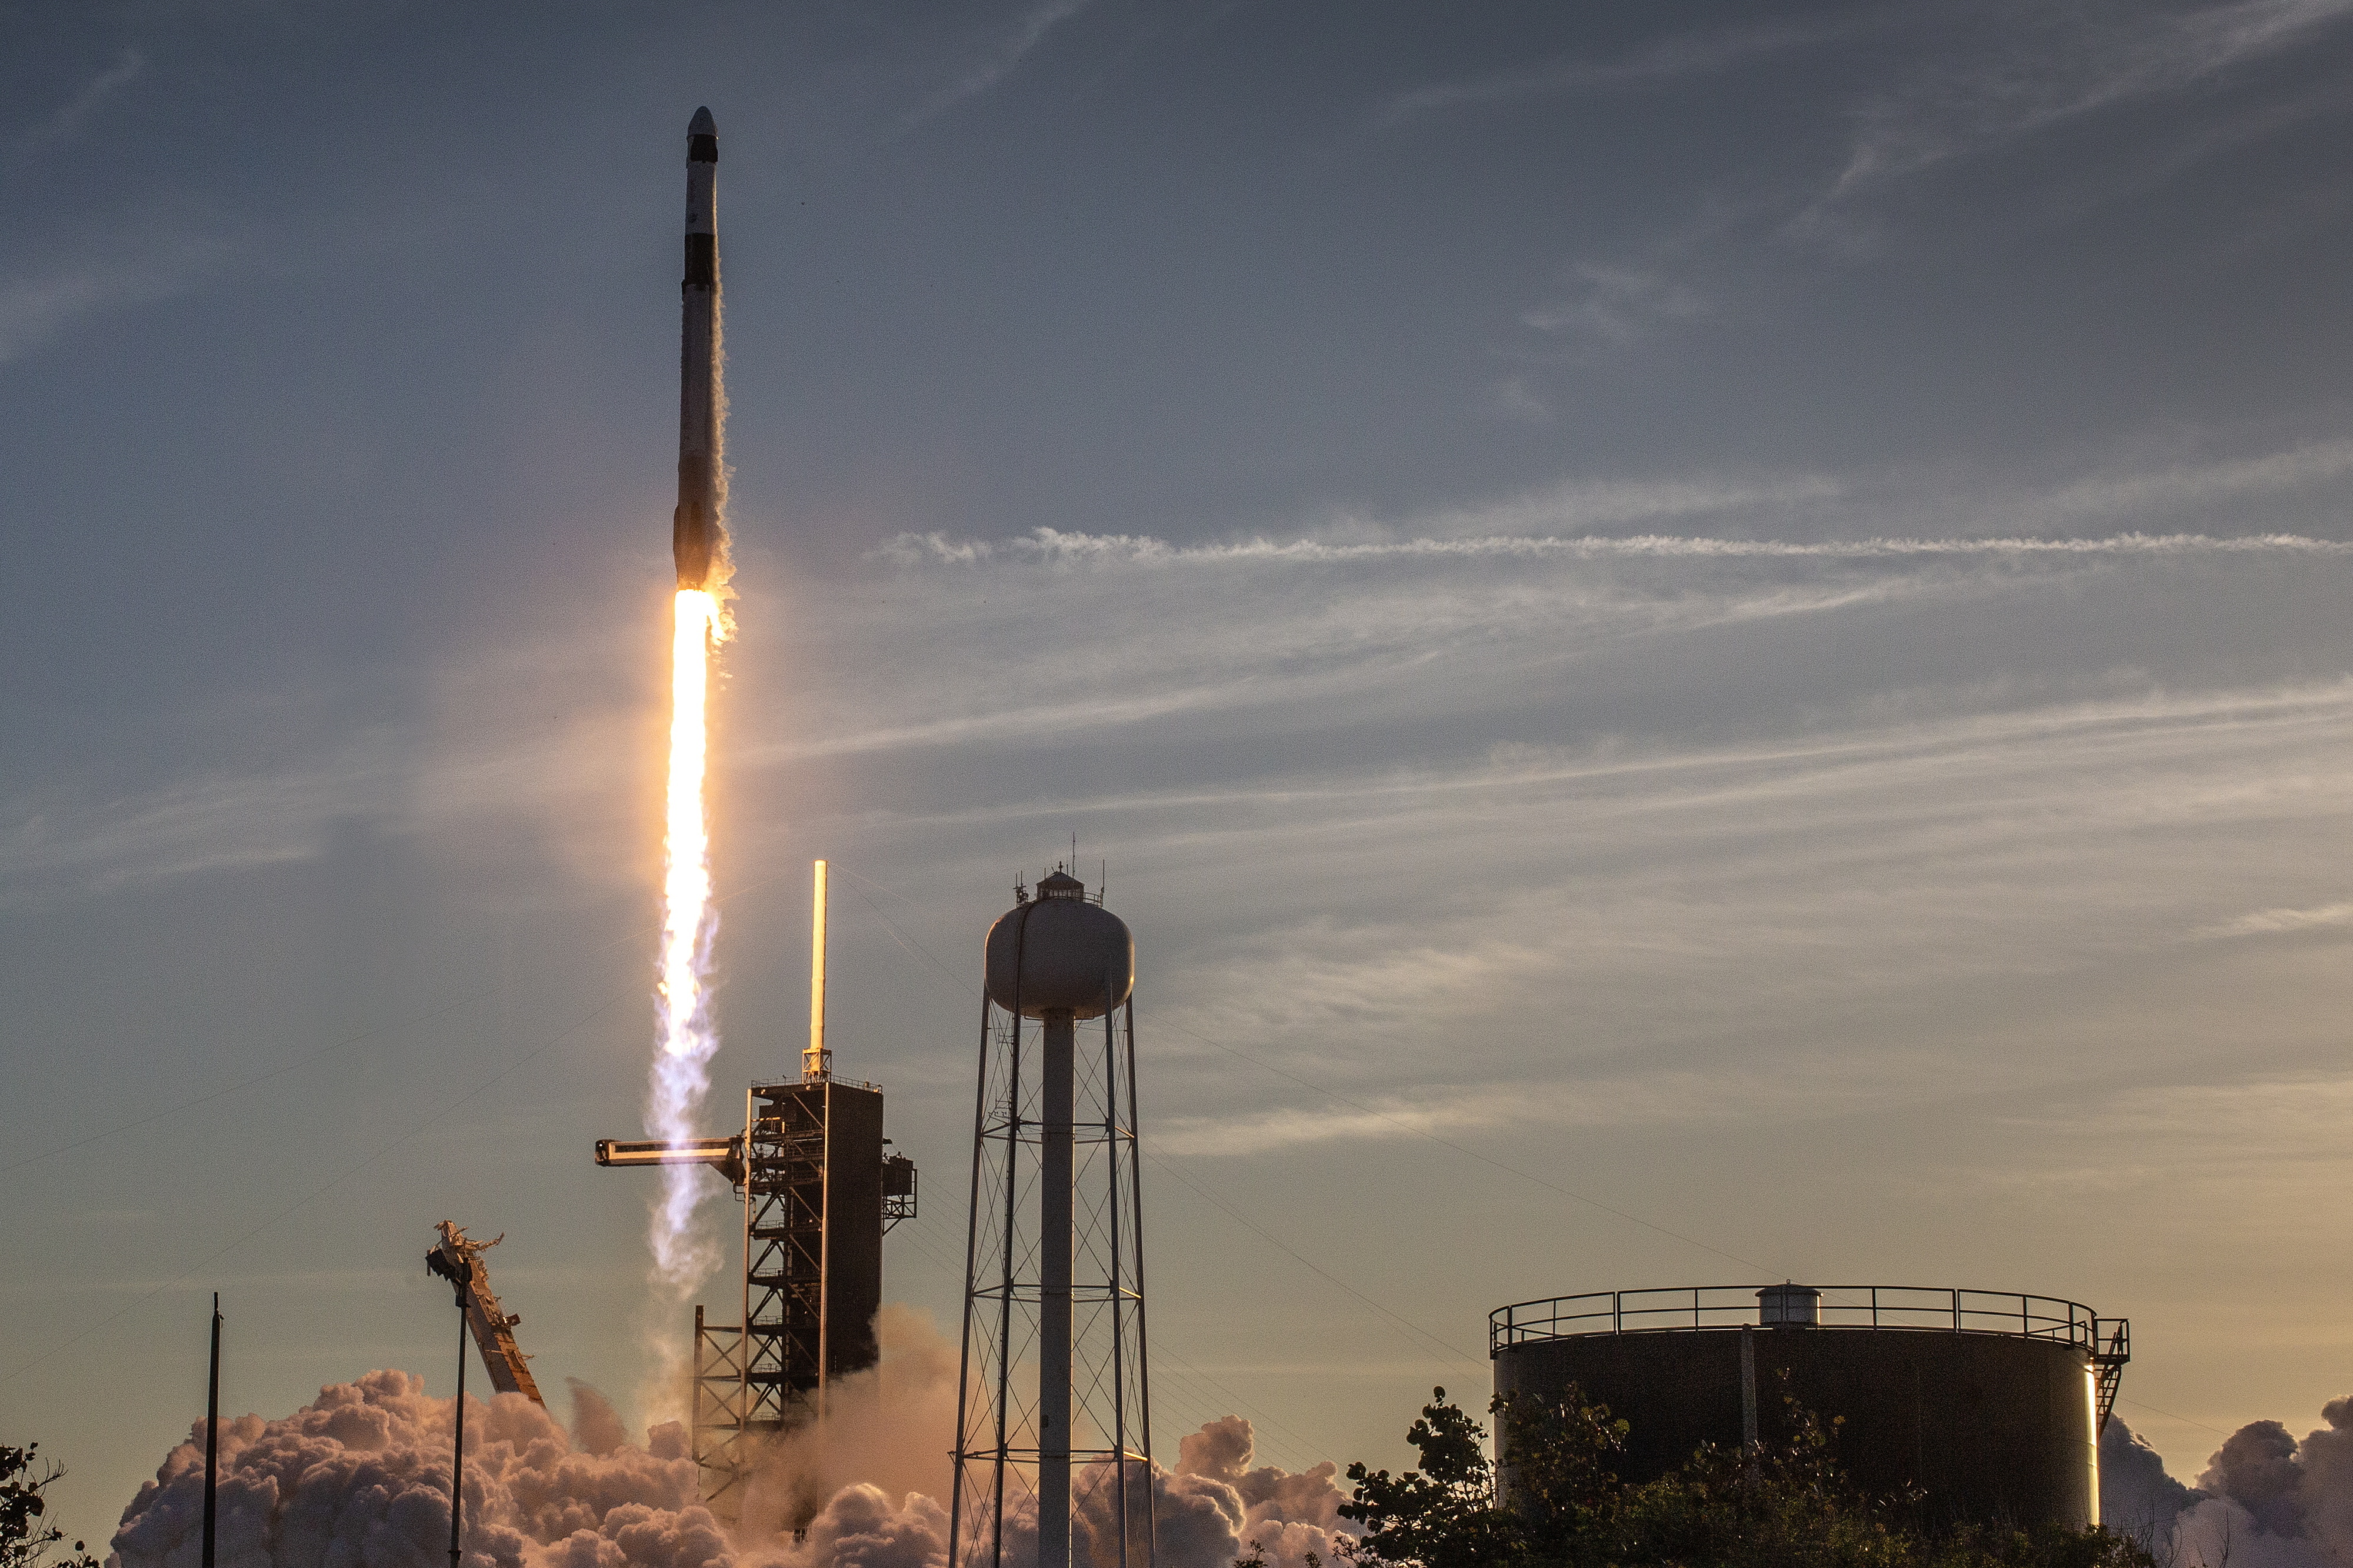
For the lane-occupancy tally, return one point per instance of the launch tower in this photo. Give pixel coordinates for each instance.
(819, 1191)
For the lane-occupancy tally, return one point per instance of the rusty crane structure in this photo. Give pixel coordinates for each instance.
(459, 1257)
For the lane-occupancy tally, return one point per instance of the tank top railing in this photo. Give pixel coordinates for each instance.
(1685, 1308)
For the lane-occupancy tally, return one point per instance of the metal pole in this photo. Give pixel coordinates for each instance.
(212, 1434)
(744, 1335)
(458, 1449)
(824, 1256)
(971, 1258)
(1004, 1306)
(1143, 1362)
(1118, 1306)
(1005, 1295)
(1748, 1388)
(1054, 1182)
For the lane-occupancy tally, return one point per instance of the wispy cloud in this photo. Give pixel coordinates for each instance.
(1670, 59)
(1362, 622)
(2281, 922)
(1711, 932)
(2177, 486)
(1391, 629)
(1619, 304)
(1000, 60)
(36, 307)
(1051, 545)
(2038, 66)
(1891, 505)
(75, 111)
(1518, 397)
(1439, 1110)
(1574, 505)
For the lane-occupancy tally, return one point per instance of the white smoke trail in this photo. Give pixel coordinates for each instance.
(681, 1067)
(1049, 544)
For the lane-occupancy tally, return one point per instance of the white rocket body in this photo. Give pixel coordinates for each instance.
(695, 539)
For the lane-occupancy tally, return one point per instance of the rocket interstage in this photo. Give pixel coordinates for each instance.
(697, 536)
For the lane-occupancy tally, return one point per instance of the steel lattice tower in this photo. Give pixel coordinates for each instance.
(1053, 1434)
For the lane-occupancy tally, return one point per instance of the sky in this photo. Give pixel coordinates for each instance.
(1704, 643)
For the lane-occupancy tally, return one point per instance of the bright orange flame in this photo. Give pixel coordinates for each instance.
(682, 1066)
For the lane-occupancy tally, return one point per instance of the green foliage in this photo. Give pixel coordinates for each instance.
(1786, 1505)
(26, 1538)
(1443, 1515)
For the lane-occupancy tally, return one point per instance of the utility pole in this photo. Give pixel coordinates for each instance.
(458, 1447)
(459, 1271)
(211, 1435)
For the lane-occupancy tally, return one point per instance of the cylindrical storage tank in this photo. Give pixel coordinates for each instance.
(1060, 953)
(1992, 1425)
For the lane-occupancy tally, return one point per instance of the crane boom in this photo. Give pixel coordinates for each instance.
(492, 1326)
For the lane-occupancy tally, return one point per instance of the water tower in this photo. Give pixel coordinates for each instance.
(1053, 1419)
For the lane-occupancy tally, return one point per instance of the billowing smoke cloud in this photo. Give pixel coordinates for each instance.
(2265, 1499)
(887, 1436)
(359, 1479)
(1287, 1515)
(361, 1475)
(2137, 1496)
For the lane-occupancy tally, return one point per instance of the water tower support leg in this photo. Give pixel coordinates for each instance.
(1054, 1302)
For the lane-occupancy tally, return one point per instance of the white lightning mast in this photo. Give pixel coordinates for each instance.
(817, 1062)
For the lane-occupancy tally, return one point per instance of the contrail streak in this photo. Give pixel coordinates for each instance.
(1053, 546)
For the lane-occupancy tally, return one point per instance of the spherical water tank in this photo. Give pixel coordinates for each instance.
(1060, 953)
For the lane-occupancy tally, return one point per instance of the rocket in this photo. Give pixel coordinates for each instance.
(695, 538)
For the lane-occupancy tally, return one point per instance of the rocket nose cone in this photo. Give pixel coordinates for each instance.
(702, 124)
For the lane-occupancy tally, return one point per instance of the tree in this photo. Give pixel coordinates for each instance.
(26, 1538)
(1443, 1515)
(1781, 1506)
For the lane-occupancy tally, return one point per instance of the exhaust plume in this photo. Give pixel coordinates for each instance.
(688, 1037)
(361, 1476)
(2266, 1499)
